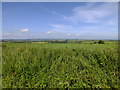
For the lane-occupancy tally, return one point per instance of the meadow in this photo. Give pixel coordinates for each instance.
(60, 65)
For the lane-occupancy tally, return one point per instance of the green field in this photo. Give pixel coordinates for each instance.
(59, 65)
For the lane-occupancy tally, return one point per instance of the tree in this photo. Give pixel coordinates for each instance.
(95, 43)
(101, 42)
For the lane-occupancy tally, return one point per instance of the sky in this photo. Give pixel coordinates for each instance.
(59, 20)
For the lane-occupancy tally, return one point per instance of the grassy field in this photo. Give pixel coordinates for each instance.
(59, 65)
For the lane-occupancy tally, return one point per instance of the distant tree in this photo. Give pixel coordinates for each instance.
(55, 41)
(95, 42)
(79, 41)
(66, 41)
(101, 42)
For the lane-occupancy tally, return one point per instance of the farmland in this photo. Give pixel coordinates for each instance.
(60, 65)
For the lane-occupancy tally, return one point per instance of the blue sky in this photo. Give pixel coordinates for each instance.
(65, 20)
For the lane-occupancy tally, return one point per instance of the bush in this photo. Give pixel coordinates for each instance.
(101, 42)
(95, 43)
(3, 46)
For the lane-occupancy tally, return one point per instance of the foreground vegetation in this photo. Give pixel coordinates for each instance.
(59, 65)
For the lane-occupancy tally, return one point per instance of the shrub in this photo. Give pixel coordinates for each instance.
(101, 42)
(95, 43)
(3, 46)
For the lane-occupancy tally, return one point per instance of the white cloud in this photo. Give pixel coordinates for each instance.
(73, 35)
(49, 32)
(24, 30)
(90, 13)
(68, 34)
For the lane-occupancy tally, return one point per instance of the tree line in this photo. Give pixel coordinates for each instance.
(54, 41)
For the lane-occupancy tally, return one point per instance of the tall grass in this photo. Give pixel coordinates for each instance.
(41, 65)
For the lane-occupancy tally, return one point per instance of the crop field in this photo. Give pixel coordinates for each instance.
(59, 65)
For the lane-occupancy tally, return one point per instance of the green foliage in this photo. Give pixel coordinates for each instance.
(3, 45)
(59, 65)
(101, 42)
(95, 43)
